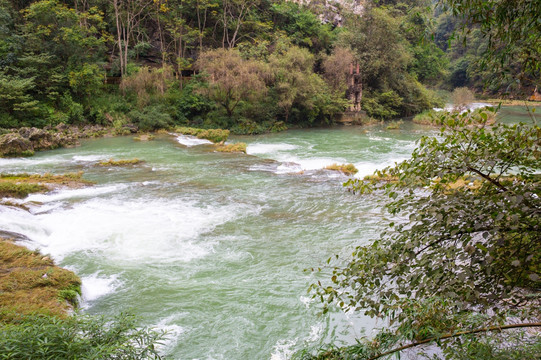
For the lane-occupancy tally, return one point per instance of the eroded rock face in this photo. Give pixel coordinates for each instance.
(40, 139)
(24, 141)
(14, 144)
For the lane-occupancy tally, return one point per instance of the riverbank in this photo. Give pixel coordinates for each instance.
(26, 141)
(31, 284)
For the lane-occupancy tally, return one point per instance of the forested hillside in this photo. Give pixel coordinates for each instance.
(248, 65)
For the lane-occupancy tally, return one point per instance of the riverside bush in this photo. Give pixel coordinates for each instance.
(214, 135)
(78, 337)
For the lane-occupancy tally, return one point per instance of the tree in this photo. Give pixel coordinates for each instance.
(128, 16)
(298, 89)
(512, 30)
(231, 78)
(234, 13)
(337, 66)
(78, 337)
(467, 229)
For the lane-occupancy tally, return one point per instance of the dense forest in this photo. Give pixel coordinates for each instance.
(247, 65)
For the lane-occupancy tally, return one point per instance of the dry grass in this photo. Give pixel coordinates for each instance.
(348, 169)
(125, 162)
(21, 185)
(30, 283)
(237, 147)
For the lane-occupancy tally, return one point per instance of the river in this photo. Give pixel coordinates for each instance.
(213, 247)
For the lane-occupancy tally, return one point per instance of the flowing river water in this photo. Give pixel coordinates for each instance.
(213, 247)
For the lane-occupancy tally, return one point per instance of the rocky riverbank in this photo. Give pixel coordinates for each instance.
(25, 141)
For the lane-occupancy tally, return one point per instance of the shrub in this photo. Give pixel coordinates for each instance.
(394, 125)
(462, 97)
(127, 162)
(214, 135)
(237, 147)
(78, 337)
(151, 118)
(426, 117)
(382, 105)
(348, 169)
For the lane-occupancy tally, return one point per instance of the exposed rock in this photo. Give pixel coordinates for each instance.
(42, 139)
(14, 144)
(131, 127)
(61, 127)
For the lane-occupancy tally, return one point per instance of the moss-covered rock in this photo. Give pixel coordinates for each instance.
(231, 148)
(348, 169)
(214, 135)
(21, 185)
(123, 162)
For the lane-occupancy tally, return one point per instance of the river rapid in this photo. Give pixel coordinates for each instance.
(213, 247)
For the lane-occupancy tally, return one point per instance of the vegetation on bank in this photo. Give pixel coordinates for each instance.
(30, 284)
(21, 185)
(347, 169)
(231, 148)
(479, 117)
(36, 299)
(122, 162)
(249, 67)
(214, 135)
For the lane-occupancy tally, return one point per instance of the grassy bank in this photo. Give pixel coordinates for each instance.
(31, 284)
(21, 185)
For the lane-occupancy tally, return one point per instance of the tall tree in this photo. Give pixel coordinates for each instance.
(129, 14)
(231, 78)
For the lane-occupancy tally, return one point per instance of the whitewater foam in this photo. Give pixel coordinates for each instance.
(91, 158)
(283, 349)
(472, 106)
(96, 285)
(64, 194)
(258, 148)
(368, 168)
(172, 331)
(129, 232)
(190, 141)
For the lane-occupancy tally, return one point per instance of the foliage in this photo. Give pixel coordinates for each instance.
(214, 135)
(348, 169)
(510, 31)
(151, 118)
(382, 105)
(122, 162)
(231, 78)
(13, 189)
(236, 147)
(78, 337)
(337, 66)
(477, 246)
(462, 97)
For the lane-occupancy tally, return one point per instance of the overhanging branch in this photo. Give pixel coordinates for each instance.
(448, 336)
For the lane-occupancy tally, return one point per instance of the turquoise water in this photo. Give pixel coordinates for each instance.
(213, 247)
